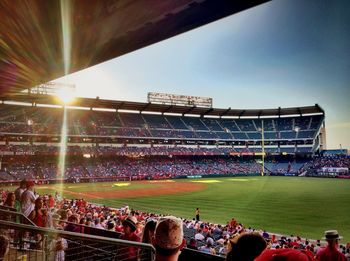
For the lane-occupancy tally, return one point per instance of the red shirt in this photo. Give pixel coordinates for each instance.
(51, 202)
(131, 252)
(39, 220)
(284, 254)
(330, 254)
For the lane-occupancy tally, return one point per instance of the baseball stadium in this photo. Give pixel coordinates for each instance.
(172, 177)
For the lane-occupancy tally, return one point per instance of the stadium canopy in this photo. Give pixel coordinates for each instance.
(35, 99)
(42, 40)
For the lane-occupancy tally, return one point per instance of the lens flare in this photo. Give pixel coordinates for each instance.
(63, 146)
(65, 95)
(66, 34)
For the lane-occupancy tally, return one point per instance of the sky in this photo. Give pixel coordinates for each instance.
(284, 53)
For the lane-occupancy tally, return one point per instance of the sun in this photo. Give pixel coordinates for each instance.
(65, 95)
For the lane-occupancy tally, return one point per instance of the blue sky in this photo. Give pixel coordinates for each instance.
(284, 53)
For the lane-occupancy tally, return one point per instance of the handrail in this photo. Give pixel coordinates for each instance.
(7, 208)
(76, 235)
(17, 214)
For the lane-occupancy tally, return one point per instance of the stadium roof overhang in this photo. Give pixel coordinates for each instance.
(163, 108)
(42, 40)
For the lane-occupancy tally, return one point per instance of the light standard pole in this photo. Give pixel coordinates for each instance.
(262, 148)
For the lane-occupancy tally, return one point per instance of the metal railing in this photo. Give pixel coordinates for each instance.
(28, 242)
(10, 214)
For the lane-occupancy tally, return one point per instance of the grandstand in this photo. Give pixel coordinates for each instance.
(288, 131)
(193, 140)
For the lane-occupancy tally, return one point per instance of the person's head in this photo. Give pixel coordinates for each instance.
(193, 242)
(246, 247)
(23, 184)
(38, 203)
(82, 221)
(209, 242)
(10, 199)
(4, 246)
(73, 219)
(148, 231)
(30, 185)
(129, 225)
(110, 225)
(332, 237)
(168, 236)
(88, 221)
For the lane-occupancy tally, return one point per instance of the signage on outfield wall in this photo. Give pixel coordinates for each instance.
(334, 170)
(248, 154)
(12, 153)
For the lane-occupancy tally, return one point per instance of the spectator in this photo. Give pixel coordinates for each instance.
(148, 231)
(98, 224)
(57, 248)
(199, 235)
(168, 238)
(246, 247)
(39, 215)
(331, 253)
(110, 226)
(129, 226)
(10, 200)
(28, 199)
(192, 244)
(208, 248)
(51, 202)
(18, 193)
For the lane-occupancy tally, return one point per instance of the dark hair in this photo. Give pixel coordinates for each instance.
(247, 247)
(7, 201)
(23, 182)
(110, 225)
(150, 226)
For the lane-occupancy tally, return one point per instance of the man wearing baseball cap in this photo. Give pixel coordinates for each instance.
(168, 238)
(331, 253)
(129, 227)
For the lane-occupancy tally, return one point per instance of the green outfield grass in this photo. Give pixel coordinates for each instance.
(286, 205)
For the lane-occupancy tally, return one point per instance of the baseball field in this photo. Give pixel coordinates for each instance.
(285, 205)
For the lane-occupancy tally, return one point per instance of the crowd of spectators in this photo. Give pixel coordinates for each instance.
(119, 151)
(331, 162)
(130, 168)
(78, 215)
(329, 166)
